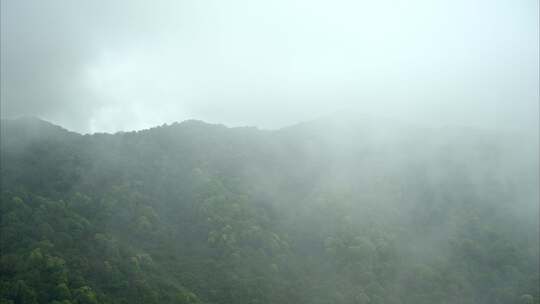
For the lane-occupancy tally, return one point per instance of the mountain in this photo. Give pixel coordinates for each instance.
(337, 210)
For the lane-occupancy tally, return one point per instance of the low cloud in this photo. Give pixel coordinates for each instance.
(107, 66)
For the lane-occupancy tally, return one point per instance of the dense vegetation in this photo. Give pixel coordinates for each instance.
(321, 212)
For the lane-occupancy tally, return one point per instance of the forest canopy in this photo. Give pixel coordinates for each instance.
(328, 211)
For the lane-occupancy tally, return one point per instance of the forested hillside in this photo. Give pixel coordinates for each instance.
(330, 211)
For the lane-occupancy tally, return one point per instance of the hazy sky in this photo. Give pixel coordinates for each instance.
(120, 65)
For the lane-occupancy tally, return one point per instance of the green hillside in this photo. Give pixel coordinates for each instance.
(329, 211)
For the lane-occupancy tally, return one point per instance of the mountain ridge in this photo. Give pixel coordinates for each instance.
(201, 213)
(334, 120)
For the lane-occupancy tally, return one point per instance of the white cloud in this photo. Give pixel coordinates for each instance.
(105, 66)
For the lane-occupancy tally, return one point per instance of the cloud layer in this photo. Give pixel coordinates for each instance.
(120, 65)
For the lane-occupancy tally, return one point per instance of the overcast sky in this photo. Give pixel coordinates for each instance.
(120, 65)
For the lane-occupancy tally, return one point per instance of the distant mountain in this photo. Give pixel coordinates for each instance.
(336, 210)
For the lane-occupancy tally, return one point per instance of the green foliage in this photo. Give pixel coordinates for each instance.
(194, 213)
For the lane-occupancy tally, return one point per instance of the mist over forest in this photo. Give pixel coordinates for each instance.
(336, 210)
(269, 152)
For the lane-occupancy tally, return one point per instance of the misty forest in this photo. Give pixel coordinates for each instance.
(336, 210)
(269, 152)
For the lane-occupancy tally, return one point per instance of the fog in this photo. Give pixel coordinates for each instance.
(344, 209)
(250, 152)
(106, 66)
